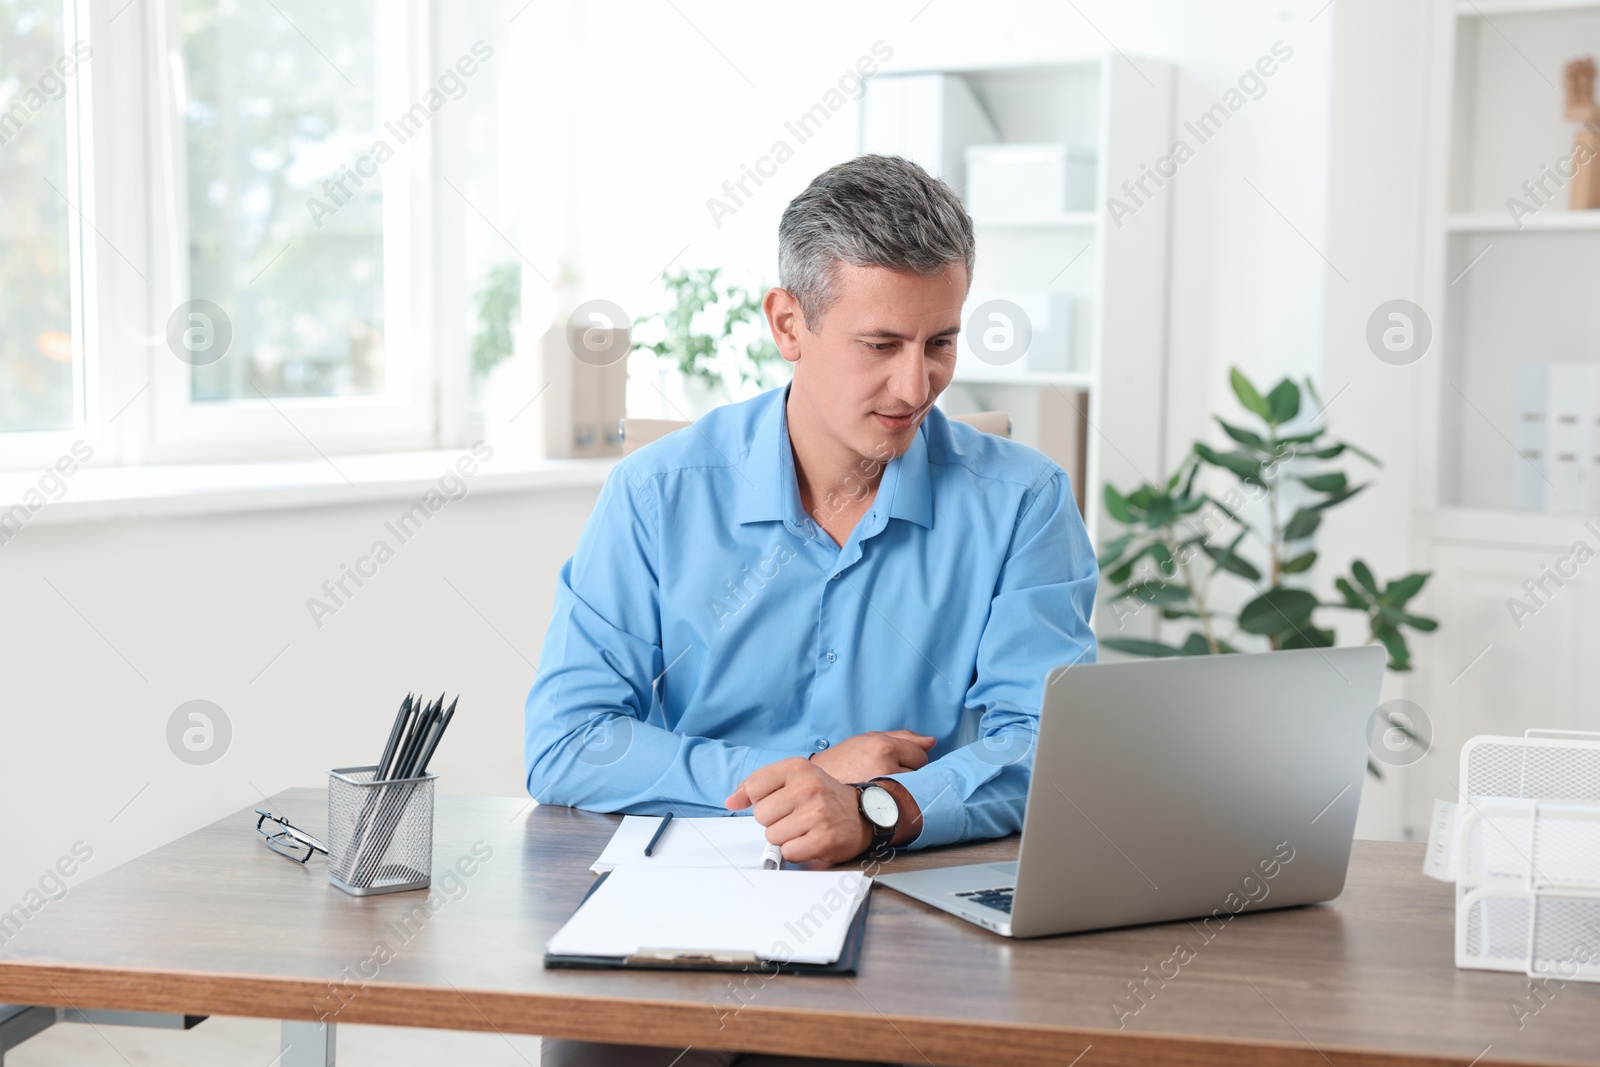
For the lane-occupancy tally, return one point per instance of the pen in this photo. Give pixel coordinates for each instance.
(771, 857)
(656, 837)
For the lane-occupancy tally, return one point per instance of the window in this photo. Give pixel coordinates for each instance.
(284, 230)
(291, 139)
(293, 235)
(41, 367)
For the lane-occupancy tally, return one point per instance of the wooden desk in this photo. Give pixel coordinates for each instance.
(214, 923)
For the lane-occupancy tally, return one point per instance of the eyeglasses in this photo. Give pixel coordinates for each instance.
(287, 840)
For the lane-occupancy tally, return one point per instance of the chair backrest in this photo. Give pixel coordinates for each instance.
(636, 433)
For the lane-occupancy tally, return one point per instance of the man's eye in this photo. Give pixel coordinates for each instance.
(944, 342)
(880, 346)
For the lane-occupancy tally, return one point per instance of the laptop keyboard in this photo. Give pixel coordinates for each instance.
(998, 899)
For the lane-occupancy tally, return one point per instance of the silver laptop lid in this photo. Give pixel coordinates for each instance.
(1176, 788)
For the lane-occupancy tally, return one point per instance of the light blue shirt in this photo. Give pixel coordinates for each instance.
(706, 626)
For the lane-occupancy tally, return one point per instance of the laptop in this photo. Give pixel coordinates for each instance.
(1177, 789)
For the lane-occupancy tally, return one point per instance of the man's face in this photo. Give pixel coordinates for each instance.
(884, 351)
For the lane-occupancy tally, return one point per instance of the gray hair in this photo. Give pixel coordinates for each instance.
(872, 211)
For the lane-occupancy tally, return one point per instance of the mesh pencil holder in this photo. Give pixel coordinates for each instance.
(380, 834)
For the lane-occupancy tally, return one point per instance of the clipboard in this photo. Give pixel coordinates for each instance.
(844, 966)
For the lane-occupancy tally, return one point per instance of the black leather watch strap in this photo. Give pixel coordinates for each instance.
(881, 835)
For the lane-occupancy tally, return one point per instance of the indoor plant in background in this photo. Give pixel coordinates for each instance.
(712, 338)
(1179, 540)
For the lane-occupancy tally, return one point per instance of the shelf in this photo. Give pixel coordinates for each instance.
(1081, 220)
(1503, 527)
(1065, 379)
(1468, 9)
(1552, 220)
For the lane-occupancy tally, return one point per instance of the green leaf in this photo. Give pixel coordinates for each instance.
(1154, 592)
(1220, 506)
(1245, 466)
(1277, 611)
(1284, 401)
(1322, 453)
(1246, 392)
(1394, 642)
(1299, 564)
(1307, 637)
(1158, 512)
(1163, 559)
(1363, 575)
(1195, 645)
(1113, 551)
(1179, 613)
(1122, 573)
(1117, 505)
(1303, 524)
(1245, 437)
(1424, 623)
(1232, 562)
(1135, 647)
(1188, 485)
(1338, 498)
(1403, 589)
(1352, 599)
(1326, 483)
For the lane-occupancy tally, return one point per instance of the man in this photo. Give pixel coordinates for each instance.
(827, 586)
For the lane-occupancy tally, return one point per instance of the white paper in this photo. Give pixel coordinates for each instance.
(787, 916)
(736, 841)
(1440, 861)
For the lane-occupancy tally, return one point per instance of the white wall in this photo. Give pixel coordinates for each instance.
(198, 606)
(1378, 145)
(663, 108)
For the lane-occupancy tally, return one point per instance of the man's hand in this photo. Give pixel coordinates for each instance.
(872, 755)
(812, 814)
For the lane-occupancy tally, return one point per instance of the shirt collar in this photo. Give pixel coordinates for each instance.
(769, 490)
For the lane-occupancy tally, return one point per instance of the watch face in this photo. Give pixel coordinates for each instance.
(879, 805)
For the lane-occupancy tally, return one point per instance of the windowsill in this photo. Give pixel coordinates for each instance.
(208, 489)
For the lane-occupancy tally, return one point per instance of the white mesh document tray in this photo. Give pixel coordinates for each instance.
(1523, 847)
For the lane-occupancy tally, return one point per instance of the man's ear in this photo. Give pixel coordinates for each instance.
(786, 322)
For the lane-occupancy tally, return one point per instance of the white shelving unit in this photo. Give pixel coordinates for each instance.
(1500, 290)
(1101, 416)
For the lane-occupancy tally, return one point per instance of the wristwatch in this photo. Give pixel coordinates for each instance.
(881, 810)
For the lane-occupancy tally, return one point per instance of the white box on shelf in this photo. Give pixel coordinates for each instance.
(929, 119)
(1529, 435)
(1049, 322)
(1027, 182)
(1570, 441)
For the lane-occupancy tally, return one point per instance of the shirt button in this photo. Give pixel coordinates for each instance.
(831, 657)
(836, 577)
(822, 743)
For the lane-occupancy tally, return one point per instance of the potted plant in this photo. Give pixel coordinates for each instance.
(1179, 540)
(711, 339)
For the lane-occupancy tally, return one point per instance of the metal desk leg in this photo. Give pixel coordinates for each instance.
(306, 1044)
(18, 1023)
